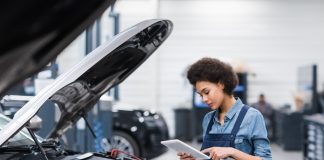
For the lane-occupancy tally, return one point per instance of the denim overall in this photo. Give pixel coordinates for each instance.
(223, 139)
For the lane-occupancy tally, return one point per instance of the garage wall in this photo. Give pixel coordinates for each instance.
(271, 39)
(72, 54)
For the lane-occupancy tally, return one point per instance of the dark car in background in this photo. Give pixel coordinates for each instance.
(141, 129)
(134, 130)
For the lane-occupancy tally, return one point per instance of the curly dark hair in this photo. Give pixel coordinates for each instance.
(213, 70)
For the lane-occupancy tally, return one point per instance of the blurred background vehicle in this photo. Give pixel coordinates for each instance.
(135, 131)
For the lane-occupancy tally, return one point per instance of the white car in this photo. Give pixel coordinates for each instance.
(77, 90)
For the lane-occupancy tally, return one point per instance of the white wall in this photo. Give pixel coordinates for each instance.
(271, 37)
(72, 54)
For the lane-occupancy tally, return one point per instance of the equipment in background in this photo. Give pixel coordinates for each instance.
(313, 139)
(241, 89)
(288, 129)
(307, 86)
(183, 124)
(308, 104)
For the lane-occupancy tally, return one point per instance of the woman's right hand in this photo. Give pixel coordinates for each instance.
(185, 156)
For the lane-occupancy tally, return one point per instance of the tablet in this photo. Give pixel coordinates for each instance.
(180, 146)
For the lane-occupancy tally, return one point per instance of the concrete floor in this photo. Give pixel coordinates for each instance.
(277, 153)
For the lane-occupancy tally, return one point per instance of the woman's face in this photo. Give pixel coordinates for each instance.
(211, 93)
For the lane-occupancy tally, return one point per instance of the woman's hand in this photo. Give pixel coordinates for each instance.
(217, 153)
(185, 156)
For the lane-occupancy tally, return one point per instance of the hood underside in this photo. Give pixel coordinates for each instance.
(77, 90)
(77, 98)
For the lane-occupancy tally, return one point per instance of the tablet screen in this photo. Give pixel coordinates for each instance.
(180, 146)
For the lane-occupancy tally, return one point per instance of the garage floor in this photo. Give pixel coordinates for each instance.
(277, 153)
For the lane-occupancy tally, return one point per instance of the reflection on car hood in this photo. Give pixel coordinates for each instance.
(34, 32)
(77, 90)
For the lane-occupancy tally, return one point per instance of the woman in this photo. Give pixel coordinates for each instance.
(232, 129)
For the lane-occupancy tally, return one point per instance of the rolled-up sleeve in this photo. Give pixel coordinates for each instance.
(259, 138)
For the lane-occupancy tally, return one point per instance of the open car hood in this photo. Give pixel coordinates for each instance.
(34, 32)
(77, 90)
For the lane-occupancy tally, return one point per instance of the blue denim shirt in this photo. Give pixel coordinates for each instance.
(252, 133)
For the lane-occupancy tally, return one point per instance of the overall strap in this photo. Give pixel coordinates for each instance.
(211, 122)
(239, 119)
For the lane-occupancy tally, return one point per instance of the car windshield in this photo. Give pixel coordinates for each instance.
(21, 138)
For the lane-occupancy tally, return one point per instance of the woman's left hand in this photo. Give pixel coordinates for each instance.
(217, 153)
